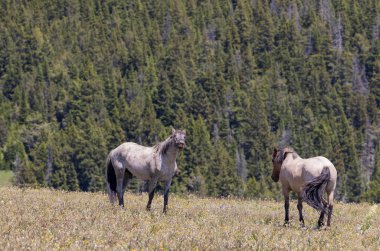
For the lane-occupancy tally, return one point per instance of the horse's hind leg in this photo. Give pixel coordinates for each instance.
(299, 207)
(120, 185)
(330, 207)
(120, 191)
(322, 216)
(151, 188)
(321, 219)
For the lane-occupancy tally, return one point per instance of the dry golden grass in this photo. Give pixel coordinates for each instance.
(53, 220)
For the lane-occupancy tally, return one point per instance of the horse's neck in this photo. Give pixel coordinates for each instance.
(168, 150)
(171, 154)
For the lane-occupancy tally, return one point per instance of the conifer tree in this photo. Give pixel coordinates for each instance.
(373, 191)
(240, 77)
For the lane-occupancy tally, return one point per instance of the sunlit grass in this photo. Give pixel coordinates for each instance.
(5, 178)
(55, 220)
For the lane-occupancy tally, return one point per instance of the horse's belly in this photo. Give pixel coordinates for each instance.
(141, 172)
(294, 184)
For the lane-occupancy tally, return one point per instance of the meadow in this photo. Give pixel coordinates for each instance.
(44, 219)
(5, 177)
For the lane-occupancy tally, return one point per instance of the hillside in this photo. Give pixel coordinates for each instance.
(78, 78)
(45, 220)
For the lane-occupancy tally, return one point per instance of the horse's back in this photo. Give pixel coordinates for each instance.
(325, 162)
(134, 157)
(130, 148)
(128, 145)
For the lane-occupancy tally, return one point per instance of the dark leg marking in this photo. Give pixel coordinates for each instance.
(329, 215)
(120, 191)
(151, 195)
(286, 210)
(166, 200)
(322, 216)
(299, 207)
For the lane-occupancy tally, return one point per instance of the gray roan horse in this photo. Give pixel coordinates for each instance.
(152, 164)
(309, 178)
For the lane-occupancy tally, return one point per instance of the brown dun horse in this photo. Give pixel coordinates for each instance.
(152, 164)
(309, 178)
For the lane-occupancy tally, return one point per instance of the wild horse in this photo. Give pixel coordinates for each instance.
(309, 178)
(152, 164)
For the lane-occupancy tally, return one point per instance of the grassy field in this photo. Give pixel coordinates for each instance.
(54, 220)
(5, 178)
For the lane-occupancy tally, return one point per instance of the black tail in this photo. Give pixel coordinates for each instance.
(111, 177)
(314, 190)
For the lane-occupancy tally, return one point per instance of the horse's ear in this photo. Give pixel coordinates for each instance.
(284, 155)
(184, 131)
(274, 152)
(173, 130)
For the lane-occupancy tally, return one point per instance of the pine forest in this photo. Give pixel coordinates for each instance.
(80, 77)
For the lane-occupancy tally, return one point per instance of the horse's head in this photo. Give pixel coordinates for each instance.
(179, 137)
(276, 166)
(278, 157)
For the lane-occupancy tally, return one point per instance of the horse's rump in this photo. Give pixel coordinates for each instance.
(313, 191)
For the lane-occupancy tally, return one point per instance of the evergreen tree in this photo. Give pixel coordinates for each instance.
(79, 78)
(373, 192)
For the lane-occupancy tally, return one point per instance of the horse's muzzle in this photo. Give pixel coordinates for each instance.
(274, 178)
(181, 145)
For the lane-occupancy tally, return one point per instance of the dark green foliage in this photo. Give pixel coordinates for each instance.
(373, 192)
(78, 78)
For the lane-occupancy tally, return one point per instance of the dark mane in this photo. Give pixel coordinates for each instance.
(294, 153)
(163, 146)
(279, 158)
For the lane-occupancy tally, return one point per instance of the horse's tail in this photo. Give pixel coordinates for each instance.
(111, 179)
(314, 190)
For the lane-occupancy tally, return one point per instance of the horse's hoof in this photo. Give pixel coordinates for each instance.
(286, 224)
(325, 228)
(320, 228)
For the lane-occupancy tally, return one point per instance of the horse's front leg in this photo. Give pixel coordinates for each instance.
(166, 194)
(286, 206)
(152, 186)
(299, 207)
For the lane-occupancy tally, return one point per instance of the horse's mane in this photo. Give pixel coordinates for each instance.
(279, 157)
(163, 146)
